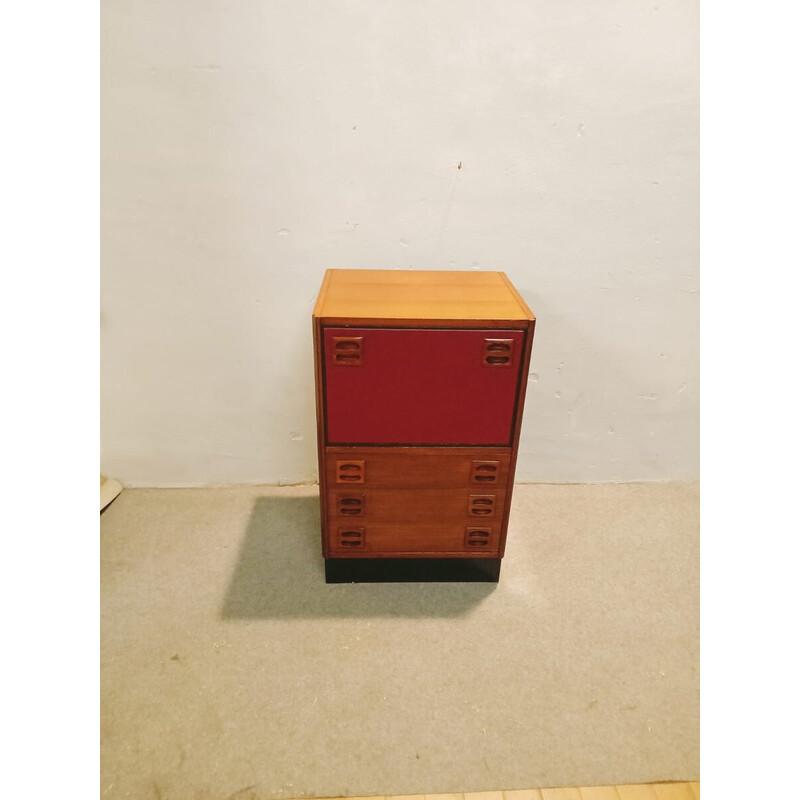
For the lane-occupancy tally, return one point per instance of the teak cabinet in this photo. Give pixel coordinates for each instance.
(420, 382)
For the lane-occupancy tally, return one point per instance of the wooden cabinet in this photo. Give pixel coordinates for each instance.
(420, 380)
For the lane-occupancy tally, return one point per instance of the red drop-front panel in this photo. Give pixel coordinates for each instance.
(421, 386)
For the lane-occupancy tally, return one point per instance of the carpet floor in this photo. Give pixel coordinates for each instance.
(230, 669)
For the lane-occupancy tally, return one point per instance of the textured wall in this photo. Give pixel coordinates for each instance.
(248, 146)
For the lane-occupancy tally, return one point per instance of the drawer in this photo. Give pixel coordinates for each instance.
(365, 539)
(416, 468)
(416, 506)
(397, 386)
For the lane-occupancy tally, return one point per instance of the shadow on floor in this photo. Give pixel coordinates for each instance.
(280, 574)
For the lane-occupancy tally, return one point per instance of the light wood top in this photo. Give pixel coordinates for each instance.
(419, 295)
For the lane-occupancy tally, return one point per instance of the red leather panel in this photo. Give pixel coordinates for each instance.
(416, 386)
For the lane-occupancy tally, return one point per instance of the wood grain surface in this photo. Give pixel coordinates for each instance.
(418, 467)
(419, 295)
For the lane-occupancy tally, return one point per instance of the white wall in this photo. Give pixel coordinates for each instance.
(248, 146)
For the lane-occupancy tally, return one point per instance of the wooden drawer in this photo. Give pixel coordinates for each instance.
(365, 539)
(397, 386)
(416, 467)
(416, 506)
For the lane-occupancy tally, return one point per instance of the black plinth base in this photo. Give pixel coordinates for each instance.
(412, 570)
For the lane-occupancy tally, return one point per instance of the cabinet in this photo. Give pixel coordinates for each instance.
(420, 386)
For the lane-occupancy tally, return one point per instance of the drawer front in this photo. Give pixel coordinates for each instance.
(416, 468)
(416, 506)
(448, 539)
(397, 386)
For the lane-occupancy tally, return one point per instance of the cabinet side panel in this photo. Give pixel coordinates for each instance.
(523, 385)
(320, 403)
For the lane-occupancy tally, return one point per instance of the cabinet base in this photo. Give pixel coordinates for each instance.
(412, 570)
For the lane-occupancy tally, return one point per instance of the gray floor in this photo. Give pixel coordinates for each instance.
(229, 666)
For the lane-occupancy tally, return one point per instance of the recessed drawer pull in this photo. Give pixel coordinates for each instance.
(481, 505)
(351, 537)
(348, 351)
(350, 472)
(497, 352)
(351, 506)
(478, 537)
(485, 471)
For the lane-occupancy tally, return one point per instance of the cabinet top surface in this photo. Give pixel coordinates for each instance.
(419, 295)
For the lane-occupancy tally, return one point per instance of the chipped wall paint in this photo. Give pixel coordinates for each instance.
(247, 148)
